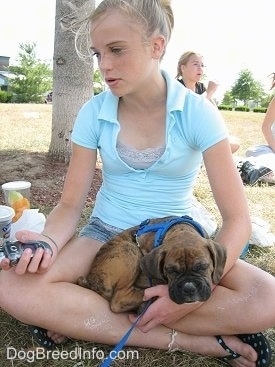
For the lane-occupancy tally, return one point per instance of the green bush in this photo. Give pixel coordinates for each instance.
(242, 108)
(225, 107)
(5, 97)
(260, 109)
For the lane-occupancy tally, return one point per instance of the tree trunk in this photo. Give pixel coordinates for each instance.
(72, 85)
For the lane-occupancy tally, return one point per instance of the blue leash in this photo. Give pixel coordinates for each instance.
(161, 230)
(112, 355)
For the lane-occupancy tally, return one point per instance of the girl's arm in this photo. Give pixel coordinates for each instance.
(228, 192)
(267, 123)
(62, 222)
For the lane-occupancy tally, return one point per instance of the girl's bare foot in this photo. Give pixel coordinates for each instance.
(255, 350)
(244, 350)
(45, 338)
(57, 338)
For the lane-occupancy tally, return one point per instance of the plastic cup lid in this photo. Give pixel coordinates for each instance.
(16, 185)
(6, 213)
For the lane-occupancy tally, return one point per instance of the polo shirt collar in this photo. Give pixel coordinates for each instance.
(175, 100)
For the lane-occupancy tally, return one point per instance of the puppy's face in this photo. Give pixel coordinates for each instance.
(188, 273)
(189, 266)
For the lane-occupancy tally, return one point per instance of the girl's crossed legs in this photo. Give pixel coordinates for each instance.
(53, 301)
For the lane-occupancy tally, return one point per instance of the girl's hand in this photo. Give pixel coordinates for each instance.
(38, 263)
(162, 311)
(212, 87)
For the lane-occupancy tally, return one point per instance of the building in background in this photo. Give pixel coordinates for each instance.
(4, 72)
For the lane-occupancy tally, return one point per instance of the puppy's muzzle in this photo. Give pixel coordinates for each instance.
(187, 290)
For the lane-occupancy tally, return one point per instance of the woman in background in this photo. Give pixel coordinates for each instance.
(264, 154)
(190, 73)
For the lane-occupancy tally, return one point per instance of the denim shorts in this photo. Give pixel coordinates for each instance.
(99, 230)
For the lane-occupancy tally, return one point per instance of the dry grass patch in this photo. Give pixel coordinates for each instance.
(25, 127)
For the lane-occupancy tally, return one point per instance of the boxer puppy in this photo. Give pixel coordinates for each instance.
(126, 265)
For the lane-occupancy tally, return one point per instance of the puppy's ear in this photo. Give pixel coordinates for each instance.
(152, 264)
(218, 255)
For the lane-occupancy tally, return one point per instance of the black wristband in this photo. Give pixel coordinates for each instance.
(45, 235)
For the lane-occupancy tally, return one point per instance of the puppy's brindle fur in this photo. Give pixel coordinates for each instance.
(186, 261)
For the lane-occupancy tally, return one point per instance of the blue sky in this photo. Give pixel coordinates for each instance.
(232, 35)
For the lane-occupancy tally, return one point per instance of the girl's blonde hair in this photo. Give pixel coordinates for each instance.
(183, 60)
(155, 16)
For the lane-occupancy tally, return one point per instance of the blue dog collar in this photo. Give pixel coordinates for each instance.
(161, 228)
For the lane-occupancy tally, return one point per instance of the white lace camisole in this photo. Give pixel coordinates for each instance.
(139, 159)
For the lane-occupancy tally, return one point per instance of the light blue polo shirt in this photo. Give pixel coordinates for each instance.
(127, 195)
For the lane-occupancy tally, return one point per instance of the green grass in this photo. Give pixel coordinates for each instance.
(27, 128)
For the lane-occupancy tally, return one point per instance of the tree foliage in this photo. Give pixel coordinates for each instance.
(266, 99)
(31, 78)
(99, 85)
(228, 99)
(246, 88)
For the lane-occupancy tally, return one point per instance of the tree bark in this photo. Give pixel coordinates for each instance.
(72, 85)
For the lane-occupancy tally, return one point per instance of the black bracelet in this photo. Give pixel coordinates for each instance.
(45, 235)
